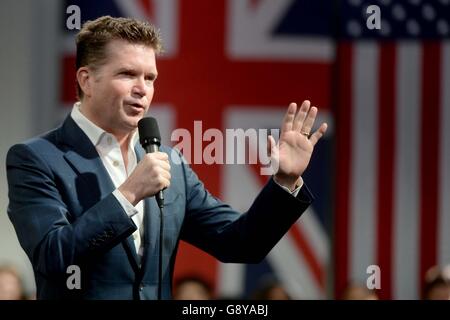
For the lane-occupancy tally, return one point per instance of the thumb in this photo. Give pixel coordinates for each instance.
(271, 145)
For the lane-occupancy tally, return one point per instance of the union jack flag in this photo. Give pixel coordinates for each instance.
(238, 64)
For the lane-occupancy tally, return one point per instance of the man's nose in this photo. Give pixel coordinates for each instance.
(139, 88)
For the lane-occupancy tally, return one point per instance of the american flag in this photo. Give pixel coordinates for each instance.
(393, 144)
(238, 64)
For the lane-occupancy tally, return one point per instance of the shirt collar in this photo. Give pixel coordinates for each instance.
(94, 132)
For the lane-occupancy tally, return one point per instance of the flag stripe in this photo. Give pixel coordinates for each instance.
(444, 222)
(300, 241)
(343, 165)
(364, 168)
(256, 26)
(386, 154)
(313, 230)
(230, 280)
(148, 7)
(287, 260)
(429, 154)
(132, 8)
(406, 210)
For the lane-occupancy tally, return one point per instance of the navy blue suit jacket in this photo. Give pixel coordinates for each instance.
(64, 213)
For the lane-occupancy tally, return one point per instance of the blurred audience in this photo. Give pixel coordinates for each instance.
(10, 284)
(192, 287)
(270, 288)
(358, 292)
(437, 284)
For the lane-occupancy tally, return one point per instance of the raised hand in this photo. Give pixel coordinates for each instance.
(293, 152)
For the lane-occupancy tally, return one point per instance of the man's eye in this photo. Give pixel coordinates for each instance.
(127, 73)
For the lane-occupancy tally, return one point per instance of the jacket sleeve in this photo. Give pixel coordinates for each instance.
(231, 236)
(41, 218)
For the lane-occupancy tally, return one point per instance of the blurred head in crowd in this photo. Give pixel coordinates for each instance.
(192, 288)
(358, 292)
(10, 284)
(437, 284)
(270, 288)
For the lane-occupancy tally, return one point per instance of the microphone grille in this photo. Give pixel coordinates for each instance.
(148, 131)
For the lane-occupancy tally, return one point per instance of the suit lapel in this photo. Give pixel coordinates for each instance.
(85, 160)
(87, 169)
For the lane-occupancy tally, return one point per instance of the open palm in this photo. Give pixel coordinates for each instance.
(291, 156)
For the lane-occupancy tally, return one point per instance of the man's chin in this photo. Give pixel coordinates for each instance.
(133, 125)
(131, 119)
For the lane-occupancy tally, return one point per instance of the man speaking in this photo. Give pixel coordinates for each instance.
(83, 194)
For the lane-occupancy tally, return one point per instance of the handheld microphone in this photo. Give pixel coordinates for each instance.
(150, 139)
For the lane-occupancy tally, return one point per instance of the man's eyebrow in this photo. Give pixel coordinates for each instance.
(131, 69)
(122, 69)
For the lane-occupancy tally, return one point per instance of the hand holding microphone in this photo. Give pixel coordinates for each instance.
(152, 174)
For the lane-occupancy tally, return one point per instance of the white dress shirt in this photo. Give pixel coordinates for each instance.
(109, 151)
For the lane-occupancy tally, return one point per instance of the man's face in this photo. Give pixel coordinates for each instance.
(122, 87)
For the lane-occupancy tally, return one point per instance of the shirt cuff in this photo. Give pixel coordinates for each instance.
(295, 191)
(130, 210)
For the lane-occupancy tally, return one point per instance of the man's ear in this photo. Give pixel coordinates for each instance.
(84, 78)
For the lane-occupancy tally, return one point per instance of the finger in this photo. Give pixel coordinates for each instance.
(309, 121)
(162, 173)
(163, 183)
(167, 184)
(289, 118)
(166, 174)
(161, 155)
(164, 164)
(315, 137)
(156, 156)
(301, 115)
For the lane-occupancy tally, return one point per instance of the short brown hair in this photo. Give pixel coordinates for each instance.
(96, 34)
